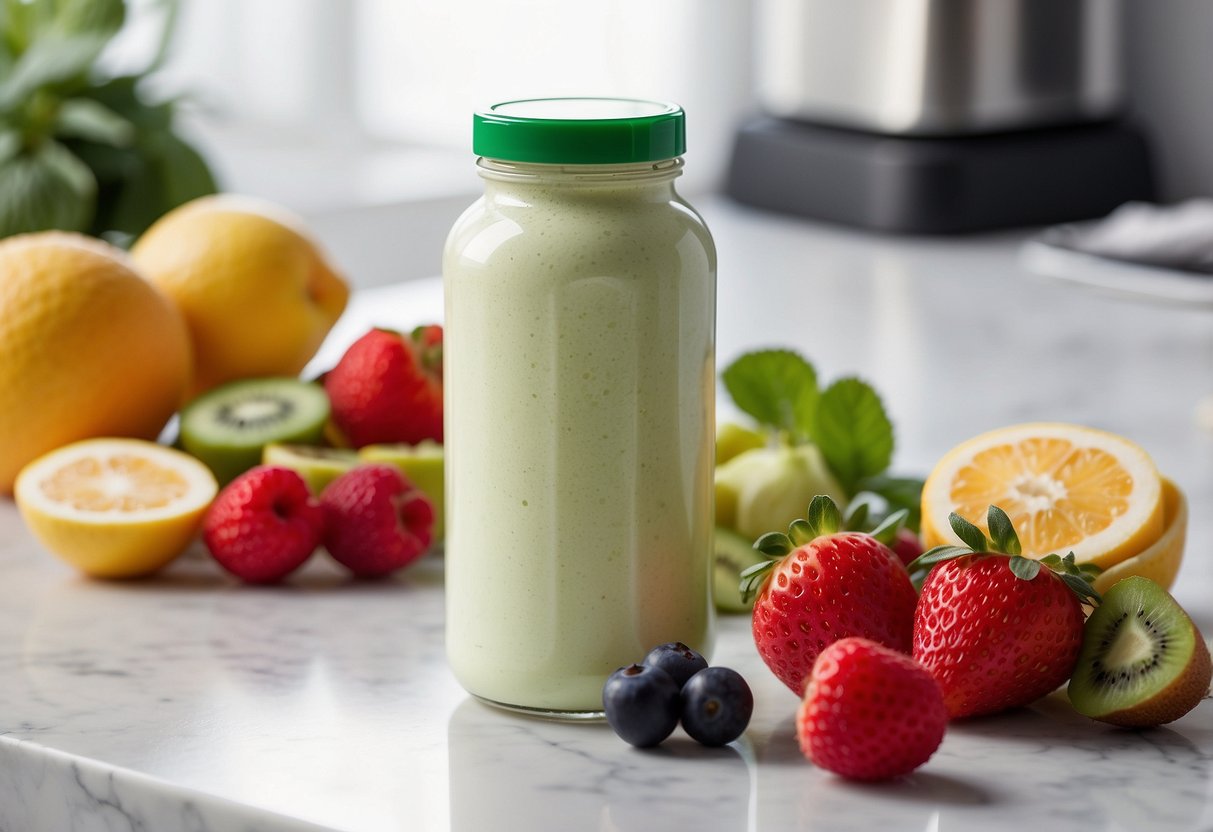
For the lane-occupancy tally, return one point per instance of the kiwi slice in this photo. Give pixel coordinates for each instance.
(228, 427)
(423, 466)
(317, 466)
(1142, 662)
(732, 554)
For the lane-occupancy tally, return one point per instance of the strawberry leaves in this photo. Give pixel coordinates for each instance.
(1003, 540)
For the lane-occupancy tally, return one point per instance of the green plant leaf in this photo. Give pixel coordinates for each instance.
(49, 188)
(1024, 568)
(776, 387)
(856, 516)
(752, 578)
(51, 61)
(10, 144)
(800, 532)
(887, 530)
(1082, 588)
(824, 517)
(898, 492)
(774, 544)
(853, 431)
(972, 536)
(937, 555)
(96, 17)
(84, 118)
(1002, 532)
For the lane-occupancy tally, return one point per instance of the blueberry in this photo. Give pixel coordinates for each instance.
(716, 706)
(641, 704)
(676, 659)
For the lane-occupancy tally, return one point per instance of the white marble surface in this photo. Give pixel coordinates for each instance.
(189, 702)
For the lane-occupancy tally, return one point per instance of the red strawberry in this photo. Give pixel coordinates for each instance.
(907, 546)
(830, 586)
(264, 524)
(388, 387)
(375, 520)
(997, 630)
(870, 713)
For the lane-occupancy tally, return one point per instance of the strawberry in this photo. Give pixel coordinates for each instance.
(819, 586)
(869, 713)
(264, 524)
(376, 521)
(388, 387)
(998, 630)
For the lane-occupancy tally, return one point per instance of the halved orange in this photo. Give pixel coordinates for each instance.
(1160, 560)
(1065, 487)
(115, 508)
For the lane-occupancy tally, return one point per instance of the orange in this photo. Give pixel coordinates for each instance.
(1065, 487)
(257, 293)
(87, 348)
(1161, 559)
(115, 508)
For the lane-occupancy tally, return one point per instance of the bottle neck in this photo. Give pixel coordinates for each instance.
(643, 174)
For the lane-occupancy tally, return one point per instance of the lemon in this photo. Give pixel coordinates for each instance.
(115, 508)
(256, 291)
(1065, 487)
(87, 348)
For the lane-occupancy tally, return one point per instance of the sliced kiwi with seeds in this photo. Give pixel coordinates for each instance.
(318, 466)
(228, 427)
(1143, 662)
(732, 553)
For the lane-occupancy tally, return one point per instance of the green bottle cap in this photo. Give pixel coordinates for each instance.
(580, 131)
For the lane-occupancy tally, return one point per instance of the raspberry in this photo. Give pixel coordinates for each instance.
(376, 521)
(263, 525)
(870, 713)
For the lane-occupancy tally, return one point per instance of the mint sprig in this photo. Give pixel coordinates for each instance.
(847, 421)
(777, 387)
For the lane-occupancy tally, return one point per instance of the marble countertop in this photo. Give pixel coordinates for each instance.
(190, 702)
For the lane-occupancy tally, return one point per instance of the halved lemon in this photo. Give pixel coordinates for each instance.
(1066, 488)
(115, 508)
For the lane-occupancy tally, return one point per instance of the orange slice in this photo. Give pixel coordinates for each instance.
(115, 508)
(1065, 487)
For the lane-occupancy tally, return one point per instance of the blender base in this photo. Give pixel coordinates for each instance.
(939, 185)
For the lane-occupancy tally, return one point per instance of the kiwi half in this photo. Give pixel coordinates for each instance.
(732, 554)
(422, 464)
(318, 466)
(228, 427)
(1143, 662)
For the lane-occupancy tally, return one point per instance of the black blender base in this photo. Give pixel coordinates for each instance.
(939, 185)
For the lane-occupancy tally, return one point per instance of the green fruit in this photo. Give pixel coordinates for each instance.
(317, 466)
(1143, 662)
(732, 554)
(228, 427)
(733, 439)
(422, 465)
(764, 489)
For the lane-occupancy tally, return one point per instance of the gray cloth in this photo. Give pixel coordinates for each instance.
(1168, 236)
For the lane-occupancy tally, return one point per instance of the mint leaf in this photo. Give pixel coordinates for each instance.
(777, 387)
(853, 431)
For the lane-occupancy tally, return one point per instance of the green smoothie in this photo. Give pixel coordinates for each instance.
(579, 375)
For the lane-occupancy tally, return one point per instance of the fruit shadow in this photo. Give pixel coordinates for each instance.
(196, 571)
(782, 749)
